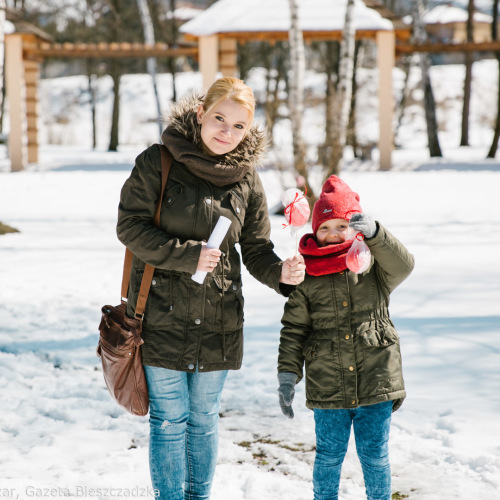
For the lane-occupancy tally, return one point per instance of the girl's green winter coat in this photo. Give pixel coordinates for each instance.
(338, 325)
(187, 325)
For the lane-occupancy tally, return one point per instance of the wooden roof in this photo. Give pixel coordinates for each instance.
(270, 20)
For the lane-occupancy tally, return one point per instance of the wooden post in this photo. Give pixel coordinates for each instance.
(16, 95)
(386, 47)
(32, 76)
(208, 50)
(228, 57)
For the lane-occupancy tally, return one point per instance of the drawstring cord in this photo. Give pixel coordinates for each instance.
(170, 292)
(222, 310)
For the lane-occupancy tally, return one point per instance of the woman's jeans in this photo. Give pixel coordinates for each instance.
(183, 419)
(371, 432)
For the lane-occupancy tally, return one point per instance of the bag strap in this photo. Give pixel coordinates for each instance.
(166, 163)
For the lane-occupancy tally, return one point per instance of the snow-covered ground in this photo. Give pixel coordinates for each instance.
(62, 436)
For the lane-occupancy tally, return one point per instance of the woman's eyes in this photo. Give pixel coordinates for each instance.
(221, 119)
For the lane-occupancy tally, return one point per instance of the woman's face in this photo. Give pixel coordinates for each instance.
(223, 127)
(332, 231)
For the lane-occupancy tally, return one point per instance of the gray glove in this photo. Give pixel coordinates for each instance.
(286, 391)
(364, 224)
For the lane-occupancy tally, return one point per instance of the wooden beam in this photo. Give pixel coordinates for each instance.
(274, 36)
(228, 57)
(407, 48)
(104, 50)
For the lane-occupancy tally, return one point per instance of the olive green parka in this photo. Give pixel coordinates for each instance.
(187, 325)
(338, 325)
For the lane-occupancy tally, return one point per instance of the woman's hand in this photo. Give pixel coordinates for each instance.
(209, 258)
(293, 270)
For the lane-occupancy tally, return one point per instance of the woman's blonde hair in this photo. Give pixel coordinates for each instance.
(233, 89)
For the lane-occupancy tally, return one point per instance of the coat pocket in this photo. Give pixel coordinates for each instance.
(162, 299)
(322, 370)
(238, 206)
(227, 306)
(382, 372)
(172, 194)
(381, 335)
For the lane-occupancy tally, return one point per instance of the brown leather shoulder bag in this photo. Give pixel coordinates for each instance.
(120, 336)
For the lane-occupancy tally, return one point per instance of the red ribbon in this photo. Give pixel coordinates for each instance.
(289, 208)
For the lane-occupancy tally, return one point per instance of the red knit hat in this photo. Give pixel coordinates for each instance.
(337, 201)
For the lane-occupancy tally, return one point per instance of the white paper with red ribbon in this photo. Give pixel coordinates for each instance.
(297, 210)
(359, 256)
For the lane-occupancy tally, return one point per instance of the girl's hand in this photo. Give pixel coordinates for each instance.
(209, 258)
(293, 270)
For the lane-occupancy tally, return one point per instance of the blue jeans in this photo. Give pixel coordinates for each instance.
(371, 432)
(183, 420)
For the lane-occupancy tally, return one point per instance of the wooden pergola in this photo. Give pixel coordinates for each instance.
(214, 43)
(220, 28)
(24, 53)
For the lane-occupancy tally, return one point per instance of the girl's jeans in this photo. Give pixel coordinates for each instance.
(183, 419)
(371, 431)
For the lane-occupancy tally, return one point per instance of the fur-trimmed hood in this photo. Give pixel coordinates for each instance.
(182, 124)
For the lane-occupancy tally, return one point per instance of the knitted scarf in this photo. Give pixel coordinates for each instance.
(323, 260)
(200, 163)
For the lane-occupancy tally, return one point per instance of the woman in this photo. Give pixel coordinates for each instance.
(193, 333)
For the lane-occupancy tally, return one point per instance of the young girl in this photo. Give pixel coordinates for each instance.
(337, 323)
(193, 333)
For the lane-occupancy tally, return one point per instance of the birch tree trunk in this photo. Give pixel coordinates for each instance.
(296, 91)
(420, 36)
(149, 39)
(2, 59)
(469, 59)
(408, 64)
(494, 36)
(340, 110)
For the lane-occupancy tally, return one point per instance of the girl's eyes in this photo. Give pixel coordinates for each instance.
(239, 126)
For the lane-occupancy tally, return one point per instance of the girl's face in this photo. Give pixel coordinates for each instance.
(332, 231)
(223, 127)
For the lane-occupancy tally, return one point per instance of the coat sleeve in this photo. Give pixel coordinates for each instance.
(135, 228)
(394, 262)
(256, 247)
(297, 328)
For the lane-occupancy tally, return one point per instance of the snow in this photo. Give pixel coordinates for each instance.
(265, 15)
(444, 14)
(61, 435)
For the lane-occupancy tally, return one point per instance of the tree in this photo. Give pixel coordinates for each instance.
(149, 38)
(165, 24)
(342, 103)
(329, 53)
(469, 59)
(420, 36)
(119, 21)
(494, 35)
(2, 54)
(296, 91)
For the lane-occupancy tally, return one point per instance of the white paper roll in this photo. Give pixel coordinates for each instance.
(214, 241)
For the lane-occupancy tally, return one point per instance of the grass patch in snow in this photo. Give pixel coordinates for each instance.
(4, 229)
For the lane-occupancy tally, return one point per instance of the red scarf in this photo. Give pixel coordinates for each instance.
(323, 260)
